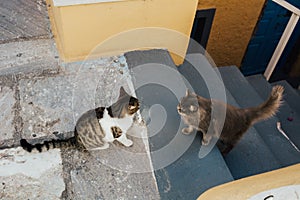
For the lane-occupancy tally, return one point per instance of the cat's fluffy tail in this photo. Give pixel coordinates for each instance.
(269, 108)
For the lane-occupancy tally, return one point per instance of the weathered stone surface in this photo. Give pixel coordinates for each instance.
(31, 176)
(51, 103)
(115, 173)
(23, 56)
(46, 106)
(23, 19)
(7, 102)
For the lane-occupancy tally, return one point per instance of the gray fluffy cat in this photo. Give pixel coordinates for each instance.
(196, 113)
(96, 128)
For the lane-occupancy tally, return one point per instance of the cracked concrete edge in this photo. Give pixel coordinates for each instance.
(140, 120)
(29, 58)
(26, 175)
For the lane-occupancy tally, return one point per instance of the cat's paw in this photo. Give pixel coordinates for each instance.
(187, 130)
(105, 146)
(127, 143)
(206, 140)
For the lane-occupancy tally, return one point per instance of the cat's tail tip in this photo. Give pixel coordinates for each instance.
(25, 145)
(270, 107)
(277, 94)
(277, 91)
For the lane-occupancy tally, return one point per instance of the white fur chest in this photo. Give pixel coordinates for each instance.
(107, 122)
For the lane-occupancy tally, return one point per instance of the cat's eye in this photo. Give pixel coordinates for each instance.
(193, 108)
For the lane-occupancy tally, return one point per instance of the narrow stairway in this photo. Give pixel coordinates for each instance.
(263, 148)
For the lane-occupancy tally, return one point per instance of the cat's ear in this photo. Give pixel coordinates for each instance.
(188, 93)
(122, 91)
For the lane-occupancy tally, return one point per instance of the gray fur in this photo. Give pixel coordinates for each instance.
(196, 113)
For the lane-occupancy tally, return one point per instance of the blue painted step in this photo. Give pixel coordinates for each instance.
(244, 160)
(187, 176)
(246, 96)
(288, 117)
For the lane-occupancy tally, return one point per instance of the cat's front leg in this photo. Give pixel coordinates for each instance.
(208, 136)
(124, 140)
(188, 130)
(105, 146)
(206, 139)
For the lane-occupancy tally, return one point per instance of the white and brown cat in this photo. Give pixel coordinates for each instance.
(196, 113)
(98, 127)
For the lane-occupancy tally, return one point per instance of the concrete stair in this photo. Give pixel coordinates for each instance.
(187, 176)
(247, 96)
(247, 149)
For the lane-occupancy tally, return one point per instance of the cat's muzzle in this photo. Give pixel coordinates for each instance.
(179, 109)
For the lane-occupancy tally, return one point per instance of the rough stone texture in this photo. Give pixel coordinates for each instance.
(7, 102)
(46, 106)
(114, 173)
(24, 56)
(50, 97)
(31, 176)
(23, 19)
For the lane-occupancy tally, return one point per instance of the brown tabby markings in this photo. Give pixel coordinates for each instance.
(196, 113)
(117, 132)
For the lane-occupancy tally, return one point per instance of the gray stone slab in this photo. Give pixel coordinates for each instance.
(46, 106)
(115, 173)
(7, 102)
(23, 19)
(25, 56)
(33, 176)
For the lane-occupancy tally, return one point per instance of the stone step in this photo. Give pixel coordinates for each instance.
(180, 172)
(288, 117)
(43, 102)
(22, 19)
(246, 96)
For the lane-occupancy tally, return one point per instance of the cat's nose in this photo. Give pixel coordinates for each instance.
(178, 108)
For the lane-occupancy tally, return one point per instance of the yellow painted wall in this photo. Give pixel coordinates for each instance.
(232, 28)
(82, 30)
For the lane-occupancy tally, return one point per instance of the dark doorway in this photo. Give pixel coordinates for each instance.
(201, 29)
